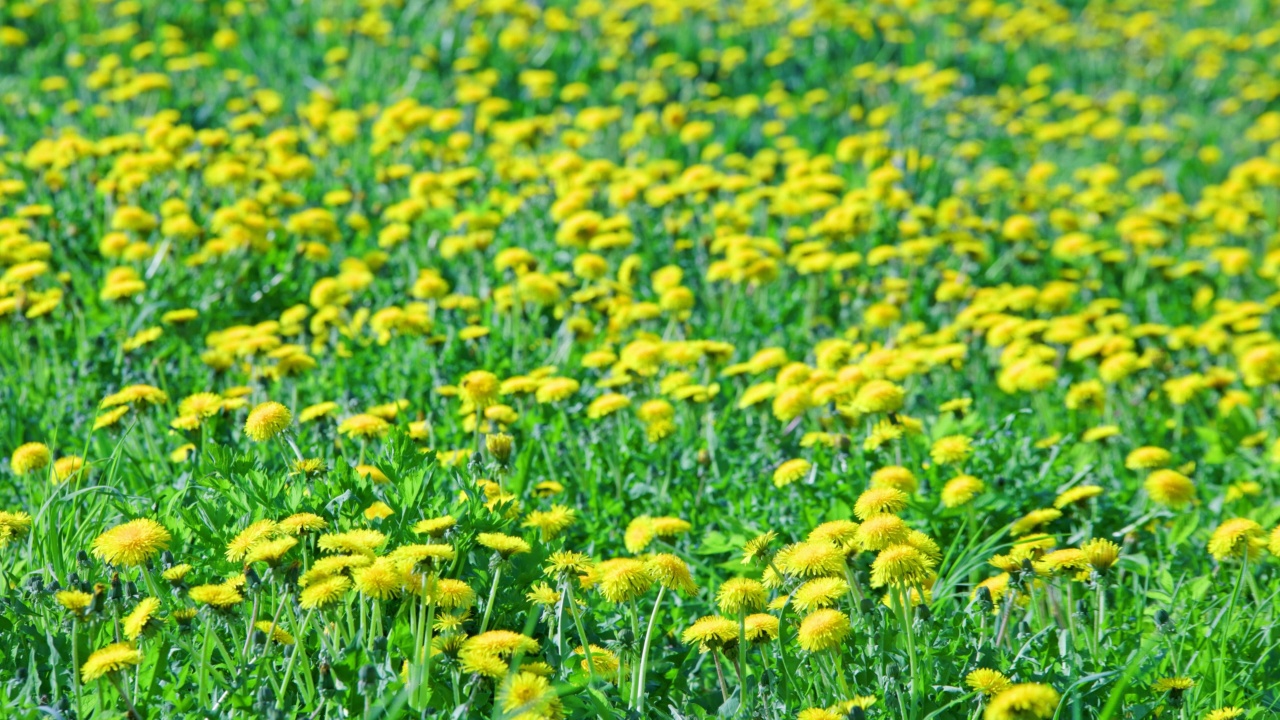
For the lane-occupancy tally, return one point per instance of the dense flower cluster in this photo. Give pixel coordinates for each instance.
(657, 358)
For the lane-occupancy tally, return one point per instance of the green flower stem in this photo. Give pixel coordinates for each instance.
(636, 680)
(205, 652)
(425, 686)
(248, 628)
(902, 599)
(837, 655)
(582, 633)
(742, 659)
(644, 650)
(293, 657)
(75, 662)
(1225, 628)
(124, 694)
(493, 593)
(1099, 622)
(724, 689)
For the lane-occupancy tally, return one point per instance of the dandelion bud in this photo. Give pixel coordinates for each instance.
(625, 638)
(166, 559)
(922, 613)
(251, 579)
(866, 607)
(131, 589)
(266, 696)
(368, 676)
(499, 446)
(324, 683)
(53, 586)
(82, 559)
(380, 645)
(35, 585)
(704, 457)
(856, 713)
(1163, 621)
(984, 599)
(117, 589)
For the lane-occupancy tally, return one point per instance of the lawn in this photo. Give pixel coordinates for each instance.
(815, 359)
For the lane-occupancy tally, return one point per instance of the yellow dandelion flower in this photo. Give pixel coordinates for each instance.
(791, 471)
(895, 476)
(435, 527)
(951, 450)
(1101, 553)
(479, 388)
(1236, 537)
(68, 468)
(552, 522)
(841, 533)
(1148, 458)
(819, 593)
(1034, 519)
(110, 659)
(711, 633)
(1173, 684)
(880, 500)
(606, 662)
(1028, 701)
(277, 635)
(526, 694)
(379, 580)
(256, 532)
(301, 523)
(761, 627)
(901, 565)
(140, 618)
(132, 543)
(30, 457)
(220, 596)
(324, 592)
(1075, 495)
(741, 595)
(74, 601)
(362, 541)
(266, 421)
(810, 559)
(988, 682)
(543, 594)
(607, 404)
(823, 630)
(1170, 488)
(671, 572)
(504, 545)
(622, 580)
(881, 531)
(567, 562)
(364, 426)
